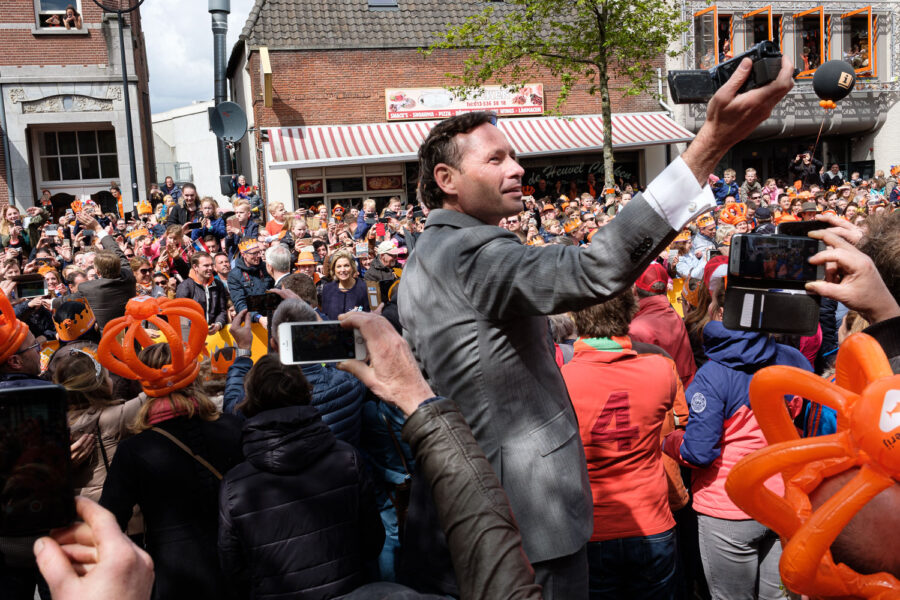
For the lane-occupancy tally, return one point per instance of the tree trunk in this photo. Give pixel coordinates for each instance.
(609, 180)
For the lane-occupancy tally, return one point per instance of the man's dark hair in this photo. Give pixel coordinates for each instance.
(881, 242)
(115, 187)
(608, 318)
(107, 264)
(302, 285)
(196, 256)
(440, 147)
(270, 385)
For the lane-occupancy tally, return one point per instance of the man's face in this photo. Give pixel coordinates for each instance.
(785, 202)
(242, 213)
(204, 268)
(212, 246)
(388, 260)
(756, 198)
(30, 358)
(252, 256)
(542, 184)
(488, 183)
(512, 223)
(222, 266)
(730, 200)
(750, 177)
(190, 197)
(92, 274)
(626, 198)
(709, 231)
(160, 281)
(170, 182)
(308, 270)
(121, 225)
(835, 169)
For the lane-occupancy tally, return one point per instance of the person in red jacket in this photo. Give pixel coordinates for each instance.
(657, 322)
(623, 393)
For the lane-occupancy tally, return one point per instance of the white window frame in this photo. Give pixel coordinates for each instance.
(343, 172)
(38, 12)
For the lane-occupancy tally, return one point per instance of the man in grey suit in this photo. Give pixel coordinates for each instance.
(108, 295)
(473, 301)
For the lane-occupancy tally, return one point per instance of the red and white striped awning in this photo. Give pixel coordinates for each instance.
(326, 145)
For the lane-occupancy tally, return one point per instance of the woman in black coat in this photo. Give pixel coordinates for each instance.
(298, 518)
(177, 493)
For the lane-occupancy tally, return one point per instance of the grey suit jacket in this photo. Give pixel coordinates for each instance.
(473, 302)
(108, 297)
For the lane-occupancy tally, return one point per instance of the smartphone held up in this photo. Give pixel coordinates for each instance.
(317, 342)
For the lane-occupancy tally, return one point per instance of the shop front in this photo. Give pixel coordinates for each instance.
(344, 164)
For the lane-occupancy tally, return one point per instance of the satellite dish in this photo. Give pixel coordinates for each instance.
(228, 121)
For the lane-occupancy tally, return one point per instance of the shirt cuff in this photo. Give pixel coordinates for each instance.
(677, 197)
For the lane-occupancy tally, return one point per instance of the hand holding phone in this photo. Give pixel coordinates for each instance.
(316, 342)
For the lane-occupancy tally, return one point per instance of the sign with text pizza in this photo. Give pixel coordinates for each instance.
(404, 104)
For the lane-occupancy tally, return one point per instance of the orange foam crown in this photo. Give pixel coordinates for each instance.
(12, 331)
(121, 357)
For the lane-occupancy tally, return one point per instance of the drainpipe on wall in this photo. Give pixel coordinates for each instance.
(10, 185)
(668, 109)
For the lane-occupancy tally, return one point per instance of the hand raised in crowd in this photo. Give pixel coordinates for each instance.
(8, 286)
(730, 116)
(842, 227)
(33, 211)
(82, 448)
(88, 222)
(94, 559)
(851, 278)
(392, 373)
(241, 330)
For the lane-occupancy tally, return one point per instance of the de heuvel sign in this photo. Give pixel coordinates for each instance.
(404, 104)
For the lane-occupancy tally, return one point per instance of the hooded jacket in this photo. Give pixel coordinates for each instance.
(244, 280)
(298, 517)
(721, 428)
(657, 323)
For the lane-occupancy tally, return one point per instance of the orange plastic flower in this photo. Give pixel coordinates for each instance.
(121, 358)
(866, 397)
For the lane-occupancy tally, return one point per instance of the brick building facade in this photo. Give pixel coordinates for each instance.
(62, 103)
(330, 65)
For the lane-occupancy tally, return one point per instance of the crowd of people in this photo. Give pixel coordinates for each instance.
(580, 455)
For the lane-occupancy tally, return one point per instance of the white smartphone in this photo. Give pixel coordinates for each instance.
(317, 342)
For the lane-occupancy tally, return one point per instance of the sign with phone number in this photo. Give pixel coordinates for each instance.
(439, 103)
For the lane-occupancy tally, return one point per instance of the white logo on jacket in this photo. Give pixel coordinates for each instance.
(698, 402)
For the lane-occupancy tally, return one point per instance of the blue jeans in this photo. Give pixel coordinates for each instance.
(642, 567)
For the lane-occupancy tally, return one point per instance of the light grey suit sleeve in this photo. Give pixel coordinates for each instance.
(504, 279)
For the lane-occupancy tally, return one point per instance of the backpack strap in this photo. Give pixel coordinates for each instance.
(181, 445)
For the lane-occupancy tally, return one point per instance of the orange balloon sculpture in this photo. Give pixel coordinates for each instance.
(866, 397)
(12, 331)
(122, 359)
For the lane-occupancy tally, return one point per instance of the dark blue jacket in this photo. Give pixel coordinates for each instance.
(251, 231)
(246, 281)
(362, 228)
(216, 228)
(338, 396)
(722, 189)
(298, 517)
(724, 384)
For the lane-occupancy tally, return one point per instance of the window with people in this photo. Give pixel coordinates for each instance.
(59, 13)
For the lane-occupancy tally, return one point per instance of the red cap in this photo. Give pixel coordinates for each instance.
(711, 265)
(653, 275)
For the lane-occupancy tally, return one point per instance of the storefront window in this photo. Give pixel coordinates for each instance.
(809, 40)
(78, 155)
(761, 25)
(859, 41)
(344, 184)
(550, 177)
(349, 185)
(64, 14)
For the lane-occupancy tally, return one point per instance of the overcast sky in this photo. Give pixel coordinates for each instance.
(180, 49)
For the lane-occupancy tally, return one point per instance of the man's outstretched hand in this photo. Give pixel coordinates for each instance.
(392, 373)
(731, 117)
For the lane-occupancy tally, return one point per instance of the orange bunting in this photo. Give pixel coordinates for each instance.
(866, 397)
(121, 358)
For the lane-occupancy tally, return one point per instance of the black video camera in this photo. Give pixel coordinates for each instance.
(699, 85)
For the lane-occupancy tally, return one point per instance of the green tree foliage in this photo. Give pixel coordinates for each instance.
(578, 41)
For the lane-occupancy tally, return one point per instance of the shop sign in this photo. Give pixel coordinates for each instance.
(569, 172)
(384, 182)
(306, 187)
(438, 103)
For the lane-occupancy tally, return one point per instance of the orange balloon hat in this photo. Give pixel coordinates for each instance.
(12, 331)
(121, 358)
(866, 398)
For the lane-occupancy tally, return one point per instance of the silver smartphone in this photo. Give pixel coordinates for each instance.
(317, 342)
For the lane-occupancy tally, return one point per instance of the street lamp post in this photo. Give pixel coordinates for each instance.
(121, 7)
